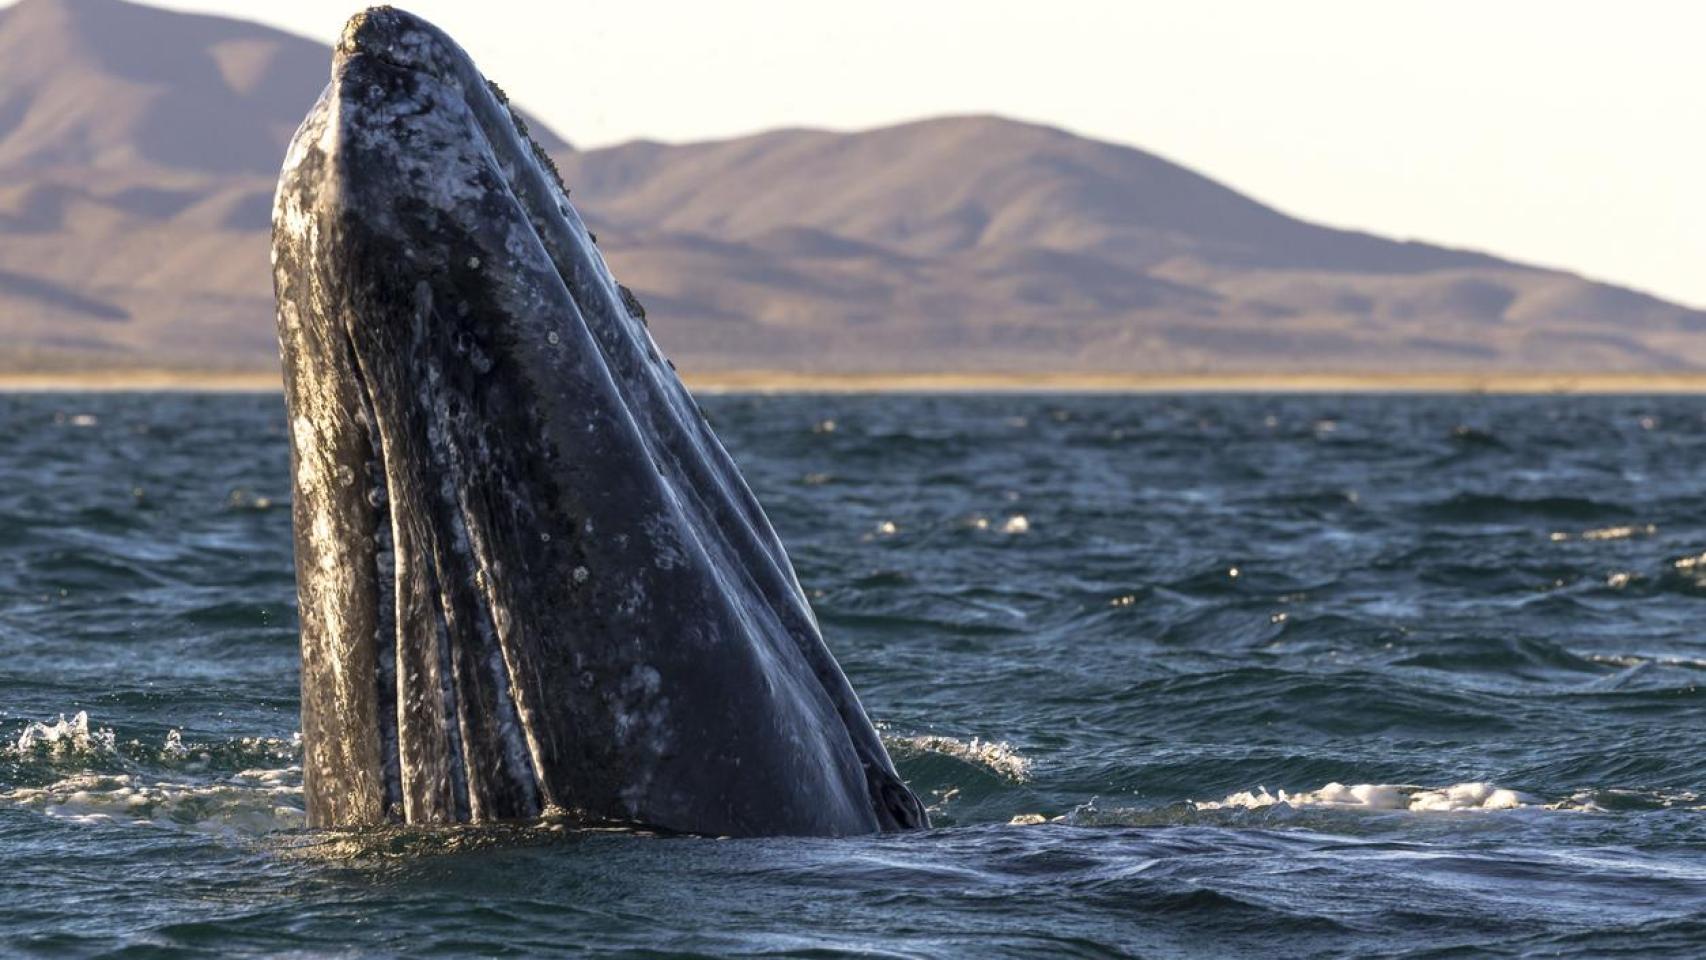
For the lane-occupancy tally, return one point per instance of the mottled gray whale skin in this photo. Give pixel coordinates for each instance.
(531, 580)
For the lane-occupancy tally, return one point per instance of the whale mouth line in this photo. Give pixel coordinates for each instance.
(385, 564)
(420, 391)
(384, 44)
(470, 604)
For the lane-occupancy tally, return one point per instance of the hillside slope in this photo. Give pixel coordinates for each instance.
(138, 151)
(981, 242)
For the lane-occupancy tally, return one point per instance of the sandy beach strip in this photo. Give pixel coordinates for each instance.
(781, 381)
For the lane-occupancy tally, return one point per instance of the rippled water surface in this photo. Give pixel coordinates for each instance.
(1179, 676)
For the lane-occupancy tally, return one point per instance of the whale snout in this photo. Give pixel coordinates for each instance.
(401, 39)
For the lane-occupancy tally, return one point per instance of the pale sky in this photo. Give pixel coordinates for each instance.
(1562, 133)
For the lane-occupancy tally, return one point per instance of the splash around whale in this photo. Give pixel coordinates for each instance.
(531, 580)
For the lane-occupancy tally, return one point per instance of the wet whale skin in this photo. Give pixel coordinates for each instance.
(530, 579)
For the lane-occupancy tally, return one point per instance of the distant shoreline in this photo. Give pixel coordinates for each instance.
(774, 381)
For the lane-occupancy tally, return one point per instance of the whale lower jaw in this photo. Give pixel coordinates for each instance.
(530, 577)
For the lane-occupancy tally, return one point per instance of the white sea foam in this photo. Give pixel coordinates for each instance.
(247, 803)
(997, 757)
(99, 780)
(1380, 796)
(1361, 798)
(1599, 801)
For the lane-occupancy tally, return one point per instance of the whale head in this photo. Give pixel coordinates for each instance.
(530, 578)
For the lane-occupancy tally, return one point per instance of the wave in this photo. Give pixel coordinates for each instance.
(68, 769)
(61, 737)
(248, 803)
(1620, 532)
(1496, 508)
(1381, 796)
(1363, 798)
(1474, 797)
(71, 769)
(997, 757)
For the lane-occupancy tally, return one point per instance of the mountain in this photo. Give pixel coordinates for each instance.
(138, 150)
(984, 243)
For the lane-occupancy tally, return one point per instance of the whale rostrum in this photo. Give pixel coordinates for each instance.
(531, 581)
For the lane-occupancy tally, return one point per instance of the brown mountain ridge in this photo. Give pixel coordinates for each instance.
(138, 151)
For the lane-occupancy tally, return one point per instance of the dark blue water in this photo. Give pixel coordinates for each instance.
(1252, 676)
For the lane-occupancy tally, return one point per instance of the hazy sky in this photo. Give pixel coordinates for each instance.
(1569, 134)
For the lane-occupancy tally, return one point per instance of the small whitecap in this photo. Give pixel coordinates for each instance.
(1624, 532)
(887, 528)
(1379, 796)
(1017, 523)
(996, 756)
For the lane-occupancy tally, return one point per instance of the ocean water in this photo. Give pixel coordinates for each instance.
(1185, 676)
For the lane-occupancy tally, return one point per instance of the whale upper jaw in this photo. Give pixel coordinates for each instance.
(402, 40)
(530, 577)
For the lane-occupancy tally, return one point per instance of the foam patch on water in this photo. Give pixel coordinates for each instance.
(85, 774)
(1380, 796)
(1618, 798)
(249, 803)
(998, 757)
(1360, 798)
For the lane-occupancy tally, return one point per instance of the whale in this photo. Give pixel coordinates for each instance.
(531, 581)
